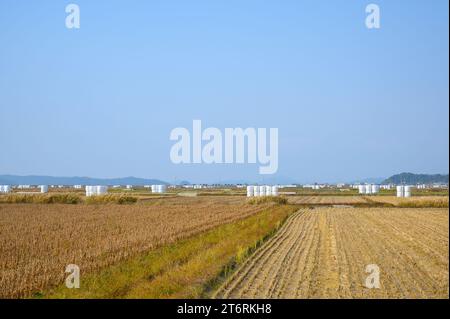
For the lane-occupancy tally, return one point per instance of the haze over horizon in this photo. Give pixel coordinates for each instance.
(350, 103)
(136, 180)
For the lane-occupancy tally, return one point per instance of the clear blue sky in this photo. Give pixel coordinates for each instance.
(101, 101)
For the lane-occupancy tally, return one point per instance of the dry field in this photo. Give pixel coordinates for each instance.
(323, 253)
(38, 240)
(415, 199)
(327, 200)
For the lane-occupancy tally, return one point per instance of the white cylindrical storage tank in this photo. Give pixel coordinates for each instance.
(400, 191)
(162, 188)
(274, 190)
(407, 191)
(250, 192)
(44, 188)
(368, 189)
(361, 189)
(268, 191)
(153, 188)
(88, 191)
(262, 190)
(375, 189)
(256, 191)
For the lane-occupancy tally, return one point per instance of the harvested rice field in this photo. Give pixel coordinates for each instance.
(324, 252)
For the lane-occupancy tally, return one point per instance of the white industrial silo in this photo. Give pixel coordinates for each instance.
(368, 189)
(375, 189)
(262, 191)
(362, 189)
(88, 190)
(250, 192)
(274, 190)
(400, 191)
(44, 188)
(407, 191)
(268, 190)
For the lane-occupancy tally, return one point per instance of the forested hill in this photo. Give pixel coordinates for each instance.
(410, 178)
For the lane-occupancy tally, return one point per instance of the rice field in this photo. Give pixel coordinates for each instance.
(324, 252)
(174, 246)
(415, 200)
(327, 200)
(39, 240)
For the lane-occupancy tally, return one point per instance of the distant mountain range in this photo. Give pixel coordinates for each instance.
(403, 178)
(50, 180)
(410, 178)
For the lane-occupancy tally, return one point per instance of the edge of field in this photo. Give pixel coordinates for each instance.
(189, 268)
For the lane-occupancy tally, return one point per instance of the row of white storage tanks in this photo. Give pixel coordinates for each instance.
(368, 189)
(404, 191)
(258, 191)
(96, 190)
(159, 188)
(5, 189)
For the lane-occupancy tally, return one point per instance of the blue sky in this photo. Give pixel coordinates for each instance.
(101, 101)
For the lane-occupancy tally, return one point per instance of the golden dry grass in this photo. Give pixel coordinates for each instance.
(38, 240)
(323, 253)
(415, 201)
(188, 268)
(327, 200)
(38, 198)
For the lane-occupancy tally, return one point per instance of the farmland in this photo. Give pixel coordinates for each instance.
(39, 240)
(323, 252)
(327, 200)
(221, 244)
(417, 201)
(367, 201)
